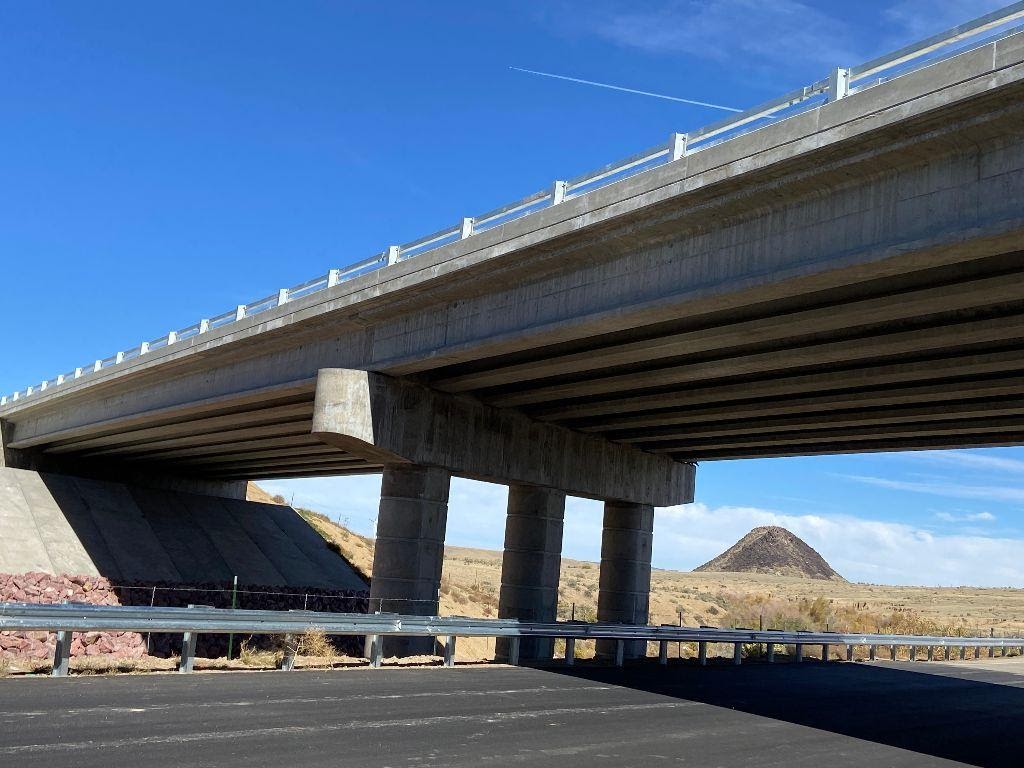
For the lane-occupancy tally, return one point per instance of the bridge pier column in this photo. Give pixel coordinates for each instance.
(410, 548)
(625, 582)
(530, 565)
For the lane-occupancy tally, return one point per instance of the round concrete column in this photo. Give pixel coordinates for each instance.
(409, 550)
(625, 585)
(531, 564)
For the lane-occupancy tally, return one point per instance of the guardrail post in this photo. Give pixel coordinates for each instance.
(620, 652)
(931, 653)
(892, 652)
(963, 652)
(374, 650)
(513, 651)
(702, 653)
(849, 653)
(570, 651)
(188, 652)
(466, 228)
(393, 253)
(838, 84)
(282, 296)
(239, 312)
(558, 192)
(663, 652)
(62, 654)
(799, 652)
(737, 653)
(872, 651)
(991, 651)
(290, 649)
(449, 651)
(1002, 651)
(824, 653)
(676, 146)
(771, 652)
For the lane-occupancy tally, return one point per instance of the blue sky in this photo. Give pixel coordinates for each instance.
(163, 162)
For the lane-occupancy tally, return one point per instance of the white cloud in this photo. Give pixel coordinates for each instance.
(969, 517)
(742, 32)
(949, 490)
(918, 19)
(972, 460)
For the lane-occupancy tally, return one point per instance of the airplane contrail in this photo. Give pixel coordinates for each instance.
(626, 90)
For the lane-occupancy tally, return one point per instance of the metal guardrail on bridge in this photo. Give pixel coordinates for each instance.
(66, 619)
(841, 82)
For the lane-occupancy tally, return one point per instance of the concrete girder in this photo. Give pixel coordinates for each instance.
(290, 428)
(942, 299)
(625, 427)
(846, 352)
(872, 375)
(391, 421)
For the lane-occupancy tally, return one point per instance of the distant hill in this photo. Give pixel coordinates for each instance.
(772, 550)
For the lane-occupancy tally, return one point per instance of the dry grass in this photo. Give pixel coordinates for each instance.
(104, 665)
(261, 658)
(314, 643)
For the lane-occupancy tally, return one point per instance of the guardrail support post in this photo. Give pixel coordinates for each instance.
(799, 652)
(824, 653)
(963, 652)
(558, 192)
(620, 652)
(849, 653)
(991, 651)
(62, 654)
(188, 652)
(290, 649)
(702, 653)
(676, 146)
(393, 254)
(663, 652)
(513, 651)
(449, 651)
(1002, 651)
(570, 651)
(872, 651)
(892, 652)
(913, 653)
(737, 653)
(838, 84)
(466, 228)
(374, 650)
(771, 653)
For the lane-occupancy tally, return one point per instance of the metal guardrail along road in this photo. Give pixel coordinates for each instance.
(66, 619)
(841, 82)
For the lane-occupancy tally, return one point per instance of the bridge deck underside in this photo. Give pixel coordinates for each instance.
(266, 435)
(934, 359)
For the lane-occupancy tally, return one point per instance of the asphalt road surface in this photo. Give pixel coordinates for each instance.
(865, 715)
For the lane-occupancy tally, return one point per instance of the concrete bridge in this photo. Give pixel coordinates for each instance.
(850, 278)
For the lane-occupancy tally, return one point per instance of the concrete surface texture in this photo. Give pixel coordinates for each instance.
(531, 565)
(849, 279)
(625, 580)
(409, 550)
(61, 524)
(842, 715)
(389, 420)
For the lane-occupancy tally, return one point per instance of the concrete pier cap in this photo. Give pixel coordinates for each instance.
(394, 421)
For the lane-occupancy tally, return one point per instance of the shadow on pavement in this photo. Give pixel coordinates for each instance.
(947, 711)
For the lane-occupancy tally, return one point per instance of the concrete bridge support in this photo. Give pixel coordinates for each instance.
(410, 548)
(625, 582)
(530, 565)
